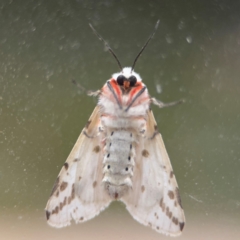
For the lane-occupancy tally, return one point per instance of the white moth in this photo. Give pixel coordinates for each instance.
(119, 155)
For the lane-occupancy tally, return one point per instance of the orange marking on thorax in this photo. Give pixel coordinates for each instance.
(116, 89)
(134, 90)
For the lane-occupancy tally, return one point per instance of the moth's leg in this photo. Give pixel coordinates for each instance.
(162, 105)
(83, 89)
(140, 123)
(79, 86)
(88, 136)
(154, 134)
(143, 129)
(94, 93)
(100, 130)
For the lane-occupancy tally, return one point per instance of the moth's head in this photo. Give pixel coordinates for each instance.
(127, 78)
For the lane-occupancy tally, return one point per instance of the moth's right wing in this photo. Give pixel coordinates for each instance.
(154, 200)
(78, 193)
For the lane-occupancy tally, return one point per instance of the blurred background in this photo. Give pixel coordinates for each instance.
(195, 55)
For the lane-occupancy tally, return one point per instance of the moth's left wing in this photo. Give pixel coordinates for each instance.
(78, 193)
(154, 199)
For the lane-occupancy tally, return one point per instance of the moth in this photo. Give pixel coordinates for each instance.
(119, 155)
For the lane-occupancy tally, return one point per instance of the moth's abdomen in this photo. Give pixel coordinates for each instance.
(118, 162)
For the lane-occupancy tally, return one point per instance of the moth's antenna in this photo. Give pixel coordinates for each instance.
(106, 45)
(144, 46)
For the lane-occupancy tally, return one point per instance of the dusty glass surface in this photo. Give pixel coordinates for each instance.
(194, 55)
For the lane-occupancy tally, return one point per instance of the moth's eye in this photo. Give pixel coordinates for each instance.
(132, 80)
(120, 80)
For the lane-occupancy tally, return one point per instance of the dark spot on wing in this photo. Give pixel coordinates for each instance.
(170, 194)
(163, 208)
(65, 201)
(63, 186)
(61, 206)
(171, 174)
(96, 149)
(168, 213)
(145, 153)
(73, 191)
(55, 186)
(142, 188)
(65, 165)
(167, 210)
(112, 133)
(81, 218)
(181, 225)
(129, 158)
(71, 197)
(108, 155)
(175, 220)
(94, 184)
(178, 197)
(130, 146)
(87, 124)
(55, 211)
(48, 215)
(162, 204)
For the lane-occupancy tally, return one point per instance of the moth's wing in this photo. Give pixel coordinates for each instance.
(154, 199)
(78, 193)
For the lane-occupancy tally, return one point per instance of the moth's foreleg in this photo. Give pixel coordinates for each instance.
(94, 93)
(100, 130)
(85, 131)
(79, 86)
(162, 105)
(83, 89)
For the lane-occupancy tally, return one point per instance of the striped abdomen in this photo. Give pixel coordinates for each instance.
(118, 161)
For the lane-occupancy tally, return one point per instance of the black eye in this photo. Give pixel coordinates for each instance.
(132, 81)
(120, 80)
